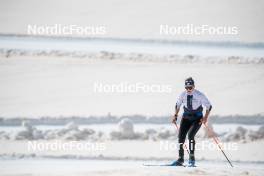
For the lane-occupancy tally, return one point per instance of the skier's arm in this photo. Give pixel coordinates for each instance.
(208, 106)
(177, 109)
(205, 118)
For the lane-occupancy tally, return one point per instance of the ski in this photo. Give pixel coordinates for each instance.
(175, 163)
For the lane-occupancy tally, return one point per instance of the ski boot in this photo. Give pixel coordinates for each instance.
(178, 162)
(191, 162)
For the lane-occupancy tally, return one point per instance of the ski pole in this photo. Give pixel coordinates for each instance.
(216, 140)
(184, 143)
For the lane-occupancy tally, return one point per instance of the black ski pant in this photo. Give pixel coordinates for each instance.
(190, 126)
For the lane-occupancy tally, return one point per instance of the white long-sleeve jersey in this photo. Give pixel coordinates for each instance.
(193, 101)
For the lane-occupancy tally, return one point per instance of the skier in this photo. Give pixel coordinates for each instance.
(192, 118)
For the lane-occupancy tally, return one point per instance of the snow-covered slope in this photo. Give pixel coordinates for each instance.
(54, 86)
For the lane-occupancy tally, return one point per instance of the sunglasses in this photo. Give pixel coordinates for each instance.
(188, 88)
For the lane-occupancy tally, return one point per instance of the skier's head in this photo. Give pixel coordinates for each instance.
(189, 84)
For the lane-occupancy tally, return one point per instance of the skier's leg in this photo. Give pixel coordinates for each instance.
(191, 134)
(184, 128)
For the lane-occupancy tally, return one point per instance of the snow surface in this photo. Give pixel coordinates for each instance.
(62, 86)
(54, 78)
(128, 48)
(120, 168)
(125, 130)
(138, 19)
